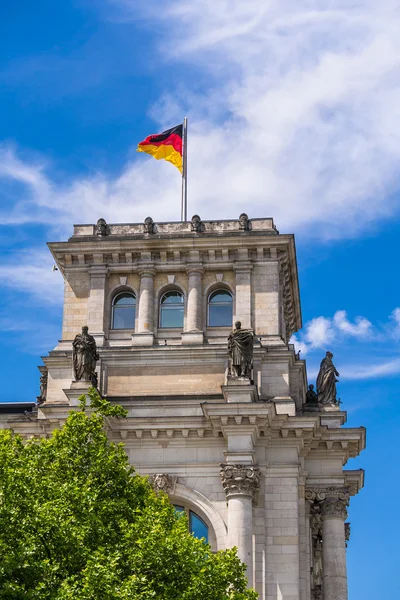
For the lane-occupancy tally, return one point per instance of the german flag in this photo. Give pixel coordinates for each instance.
(166, 145)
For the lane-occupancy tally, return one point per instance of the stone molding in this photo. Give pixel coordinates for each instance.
(240, 480)
(162, 482)
(333, 500)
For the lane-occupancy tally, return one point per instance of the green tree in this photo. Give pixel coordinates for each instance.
(77, 523)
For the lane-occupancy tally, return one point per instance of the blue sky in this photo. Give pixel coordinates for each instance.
(293, 111)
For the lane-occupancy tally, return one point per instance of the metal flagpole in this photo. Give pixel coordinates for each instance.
(184, 172)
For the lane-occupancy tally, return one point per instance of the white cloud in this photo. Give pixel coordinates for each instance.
(319, 332)
(31, 272)
(395, 322)
(298, 117)
(360, 328)
(335, 333)
(372, 371)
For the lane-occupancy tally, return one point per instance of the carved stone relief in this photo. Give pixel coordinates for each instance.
(240, 480)
(163, 482)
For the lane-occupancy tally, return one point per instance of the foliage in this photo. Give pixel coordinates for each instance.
(77, 523)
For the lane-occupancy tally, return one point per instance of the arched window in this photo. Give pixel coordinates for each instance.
(220, 309)
(124, 311)
(171, 309)
(196, 525)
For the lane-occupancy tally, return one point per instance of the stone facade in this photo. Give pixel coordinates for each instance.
(262, 472)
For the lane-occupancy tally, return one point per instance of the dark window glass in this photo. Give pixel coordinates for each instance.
(220, 309)
(124, 311)
(171, 310)
(197, 526)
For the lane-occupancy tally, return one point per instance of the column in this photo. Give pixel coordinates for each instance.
(95, 317)
(193, 333)
(145, 332)
(331, 504)
(241, 482)
(334, 513)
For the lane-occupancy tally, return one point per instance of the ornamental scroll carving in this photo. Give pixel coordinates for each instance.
(333, 501)
(162, 482)
(240, 480)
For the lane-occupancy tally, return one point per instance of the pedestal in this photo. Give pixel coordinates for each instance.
(77, 389)
(239, 390)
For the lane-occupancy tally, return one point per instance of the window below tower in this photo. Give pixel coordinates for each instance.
(196, 525)
(124, 311)
(171, 310)
(220, 309)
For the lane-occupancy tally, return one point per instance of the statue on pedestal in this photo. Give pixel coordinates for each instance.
(240, 349)
(197, 224)
(102, 228)
(43, 387)
(311, 396)
(326, 381)
(244, 222)
(148, 225)
(84, 355)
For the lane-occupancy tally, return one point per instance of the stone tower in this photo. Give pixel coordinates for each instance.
(251, 463)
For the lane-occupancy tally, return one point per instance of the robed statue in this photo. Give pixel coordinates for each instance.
(84, 356)
(326, 381)
(240, 349)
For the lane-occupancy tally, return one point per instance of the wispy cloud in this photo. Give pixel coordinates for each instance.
(297, 116)
(363, 360)
(30, 271)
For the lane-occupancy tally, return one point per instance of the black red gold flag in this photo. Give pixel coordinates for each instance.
(166, 145)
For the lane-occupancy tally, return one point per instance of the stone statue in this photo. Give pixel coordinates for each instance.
(197, 224)
(244, 223)
(84, 355)
(326, 381)
(240, 349)
(311, 396)
(148, 225)
(102, 228)
(43, 387)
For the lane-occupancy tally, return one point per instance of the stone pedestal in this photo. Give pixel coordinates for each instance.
(77, 389)
(239, 390)
(284, 405)
(241, 483)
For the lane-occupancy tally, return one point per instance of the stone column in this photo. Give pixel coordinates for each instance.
(333, 503)
(145, 332)
(193, 333)
(241, 483)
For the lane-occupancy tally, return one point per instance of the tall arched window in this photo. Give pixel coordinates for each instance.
(171, 309)
(220, 309)
(124, 311)
(196, 525)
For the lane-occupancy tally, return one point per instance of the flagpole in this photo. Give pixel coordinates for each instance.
(184, 172)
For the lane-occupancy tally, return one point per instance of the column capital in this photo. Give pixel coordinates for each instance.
(240, 480)
(333, 500)
(147, 272)
(195, 268)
